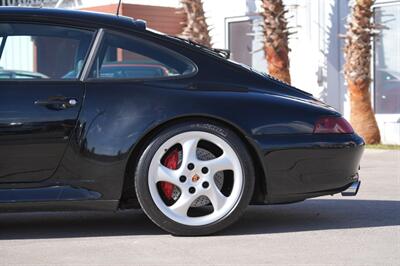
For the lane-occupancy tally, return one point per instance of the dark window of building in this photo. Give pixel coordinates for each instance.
(125, 57)
(387, 60)
(33, 51)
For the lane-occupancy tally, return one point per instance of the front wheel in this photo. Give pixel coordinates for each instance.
(195, 179)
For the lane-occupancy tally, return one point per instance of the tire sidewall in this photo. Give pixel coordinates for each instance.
(151, 209)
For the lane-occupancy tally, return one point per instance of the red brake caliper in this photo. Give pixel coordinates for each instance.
(171, 162)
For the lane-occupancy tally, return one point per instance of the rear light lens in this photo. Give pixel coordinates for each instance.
(332, 125)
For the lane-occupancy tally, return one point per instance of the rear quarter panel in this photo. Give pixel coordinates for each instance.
(117, 115)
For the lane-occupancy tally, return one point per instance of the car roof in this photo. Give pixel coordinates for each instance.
(71, 15)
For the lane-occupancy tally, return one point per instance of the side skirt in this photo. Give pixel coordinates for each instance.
(48, 206)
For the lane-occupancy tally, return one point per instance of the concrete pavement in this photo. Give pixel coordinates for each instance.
(361, 230)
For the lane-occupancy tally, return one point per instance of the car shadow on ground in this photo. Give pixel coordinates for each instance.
(317, 214)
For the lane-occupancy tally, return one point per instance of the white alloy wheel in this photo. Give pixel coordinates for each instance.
(195, 178)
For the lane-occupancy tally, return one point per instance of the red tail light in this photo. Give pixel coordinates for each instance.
(332, 125)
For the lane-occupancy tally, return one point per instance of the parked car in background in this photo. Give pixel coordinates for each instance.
(129, 69)
(17, 74)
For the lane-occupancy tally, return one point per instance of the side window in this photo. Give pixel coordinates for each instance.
(33, 51)
(124, 57)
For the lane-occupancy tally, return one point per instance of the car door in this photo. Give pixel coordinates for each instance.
(40, 102)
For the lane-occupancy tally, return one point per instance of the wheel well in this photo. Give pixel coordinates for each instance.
(128, 198)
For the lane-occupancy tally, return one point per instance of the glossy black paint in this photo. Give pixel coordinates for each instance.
(96, 150)
(33, 137)
(59, 193)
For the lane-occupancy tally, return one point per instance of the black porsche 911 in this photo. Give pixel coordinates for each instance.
(123, 117)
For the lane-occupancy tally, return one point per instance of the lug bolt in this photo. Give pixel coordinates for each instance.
(204, 170)
(206, 184)
(192, 190)
(182, 179)
(190, 166)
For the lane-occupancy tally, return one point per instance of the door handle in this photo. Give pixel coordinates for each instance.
(57, 103)
(11, 125)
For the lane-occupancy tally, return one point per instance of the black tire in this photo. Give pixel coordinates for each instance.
(151, 209)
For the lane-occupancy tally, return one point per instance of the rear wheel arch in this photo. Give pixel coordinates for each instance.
(128, 197)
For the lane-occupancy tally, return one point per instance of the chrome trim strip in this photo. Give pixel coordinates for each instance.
(352, 189)
(92, 55)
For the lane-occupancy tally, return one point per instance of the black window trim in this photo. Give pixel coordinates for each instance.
(95, 32)
(96, 50)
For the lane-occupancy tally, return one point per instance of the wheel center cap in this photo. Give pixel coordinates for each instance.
(195, 178)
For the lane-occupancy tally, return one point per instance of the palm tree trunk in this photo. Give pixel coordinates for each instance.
(196, 28)
(358, 73)
(276, 39)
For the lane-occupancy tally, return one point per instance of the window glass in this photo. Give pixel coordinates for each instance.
(239, 34)
(33, 51)
(387, 60)
(123, 57)
(4, 75)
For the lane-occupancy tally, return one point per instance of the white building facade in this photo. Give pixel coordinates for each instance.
(316, 55)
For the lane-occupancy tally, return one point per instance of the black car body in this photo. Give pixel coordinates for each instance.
(73, 144)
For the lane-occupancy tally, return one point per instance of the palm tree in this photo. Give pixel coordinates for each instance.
(357, 70)
(196, 28)
(276, 39)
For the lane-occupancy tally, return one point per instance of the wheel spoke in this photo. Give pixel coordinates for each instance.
(182, 206)
(221, 163)
(189, 150)
(166, 174)
(217, 199)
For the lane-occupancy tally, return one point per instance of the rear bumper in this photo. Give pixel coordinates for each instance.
(311, 165)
